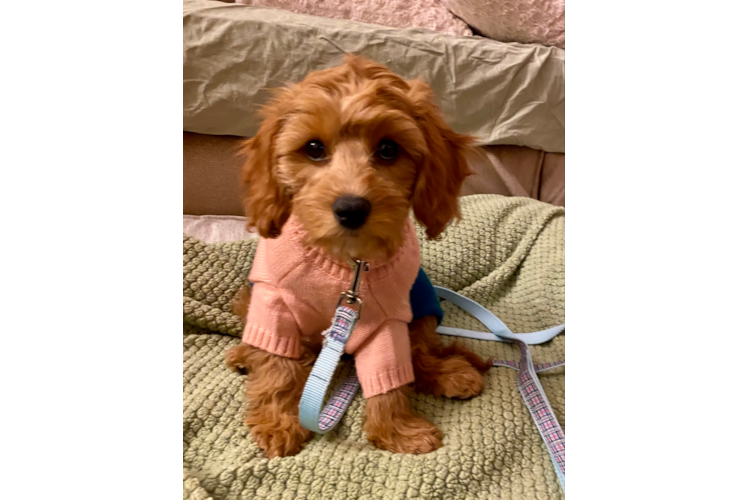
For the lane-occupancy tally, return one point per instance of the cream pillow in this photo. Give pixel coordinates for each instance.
(523, 21)
(430, 14)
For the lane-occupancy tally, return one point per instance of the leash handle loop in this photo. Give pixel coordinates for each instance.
(311, 414)
(335, 338)
(313, 417)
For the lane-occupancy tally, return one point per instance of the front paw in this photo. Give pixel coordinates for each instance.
(278, 436)
(412, 435)
(238, 358)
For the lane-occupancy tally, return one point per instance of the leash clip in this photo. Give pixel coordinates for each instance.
(350, 296)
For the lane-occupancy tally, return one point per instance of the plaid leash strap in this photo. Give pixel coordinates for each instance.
(541, 411)
(527, 380)
(338, 403)
(346, 391)
(321, 420)
(311, 415)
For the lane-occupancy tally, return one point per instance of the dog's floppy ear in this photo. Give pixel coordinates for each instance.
(266, 204)
(443, 168)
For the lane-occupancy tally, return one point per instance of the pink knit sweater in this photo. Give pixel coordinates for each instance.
(295, 291)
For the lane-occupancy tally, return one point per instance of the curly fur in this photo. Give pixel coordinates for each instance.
(351, 108)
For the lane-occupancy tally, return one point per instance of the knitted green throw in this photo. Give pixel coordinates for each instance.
(507, 254)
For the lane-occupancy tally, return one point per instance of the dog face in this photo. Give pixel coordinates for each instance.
(349, 151)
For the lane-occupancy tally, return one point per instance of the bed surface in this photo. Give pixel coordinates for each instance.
(507, 254)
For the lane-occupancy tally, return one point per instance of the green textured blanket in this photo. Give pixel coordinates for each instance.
(507, 254)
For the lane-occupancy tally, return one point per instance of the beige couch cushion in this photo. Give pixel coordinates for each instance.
(233, 54)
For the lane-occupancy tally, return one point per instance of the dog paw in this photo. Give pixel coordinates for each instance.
(237, 358)
(454, 377)
(414, 436)
(479, 363)
(458, 349)
(464, 383)
(282, 437)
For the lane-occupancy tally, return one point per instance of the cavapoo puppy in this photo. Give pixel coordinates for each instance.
(332, 174)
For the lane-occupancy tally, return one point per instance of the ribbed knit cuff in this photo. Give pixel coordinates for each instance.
(257, 336)
(379, 383)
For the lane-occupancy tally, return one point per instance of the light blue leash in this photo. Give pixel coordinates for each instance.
(321, 420)
(527, 380)
(311, 414)
(499, 331)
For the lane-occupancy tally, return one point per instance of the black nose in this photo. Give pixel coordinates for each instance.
(351, 211)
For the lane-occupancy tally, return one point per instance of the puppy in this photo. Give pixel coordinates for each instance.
(339, 161)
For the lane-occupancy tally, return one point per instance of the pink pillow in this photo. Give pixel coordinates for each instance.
(430, 14)
(524, 21)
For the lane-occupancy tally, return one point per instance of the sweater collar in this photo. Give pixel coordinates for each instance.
(288, 251)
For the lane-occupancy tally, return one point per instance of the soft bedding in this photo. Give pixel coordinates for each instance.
(431, 14)
(503, 93)
(525, 21)
(508, 254)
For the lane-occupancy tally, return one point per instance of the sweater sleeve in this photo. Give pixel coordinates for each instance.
(383, 362)
(270, 325)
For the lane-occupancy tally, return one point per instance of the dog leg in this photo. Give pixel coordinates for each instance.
(273, 386)
(240, 304)
(452, 371)
(391, 425)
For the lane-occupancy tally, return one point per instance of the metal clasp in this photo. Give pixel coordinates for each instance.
(351, 295)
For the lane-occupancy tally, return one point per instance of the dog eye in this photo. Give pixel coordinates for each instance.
(387, 149)
(315, 150)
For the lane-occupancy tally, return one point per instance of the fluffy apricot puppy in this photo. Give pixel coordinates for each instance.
(337, 165)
